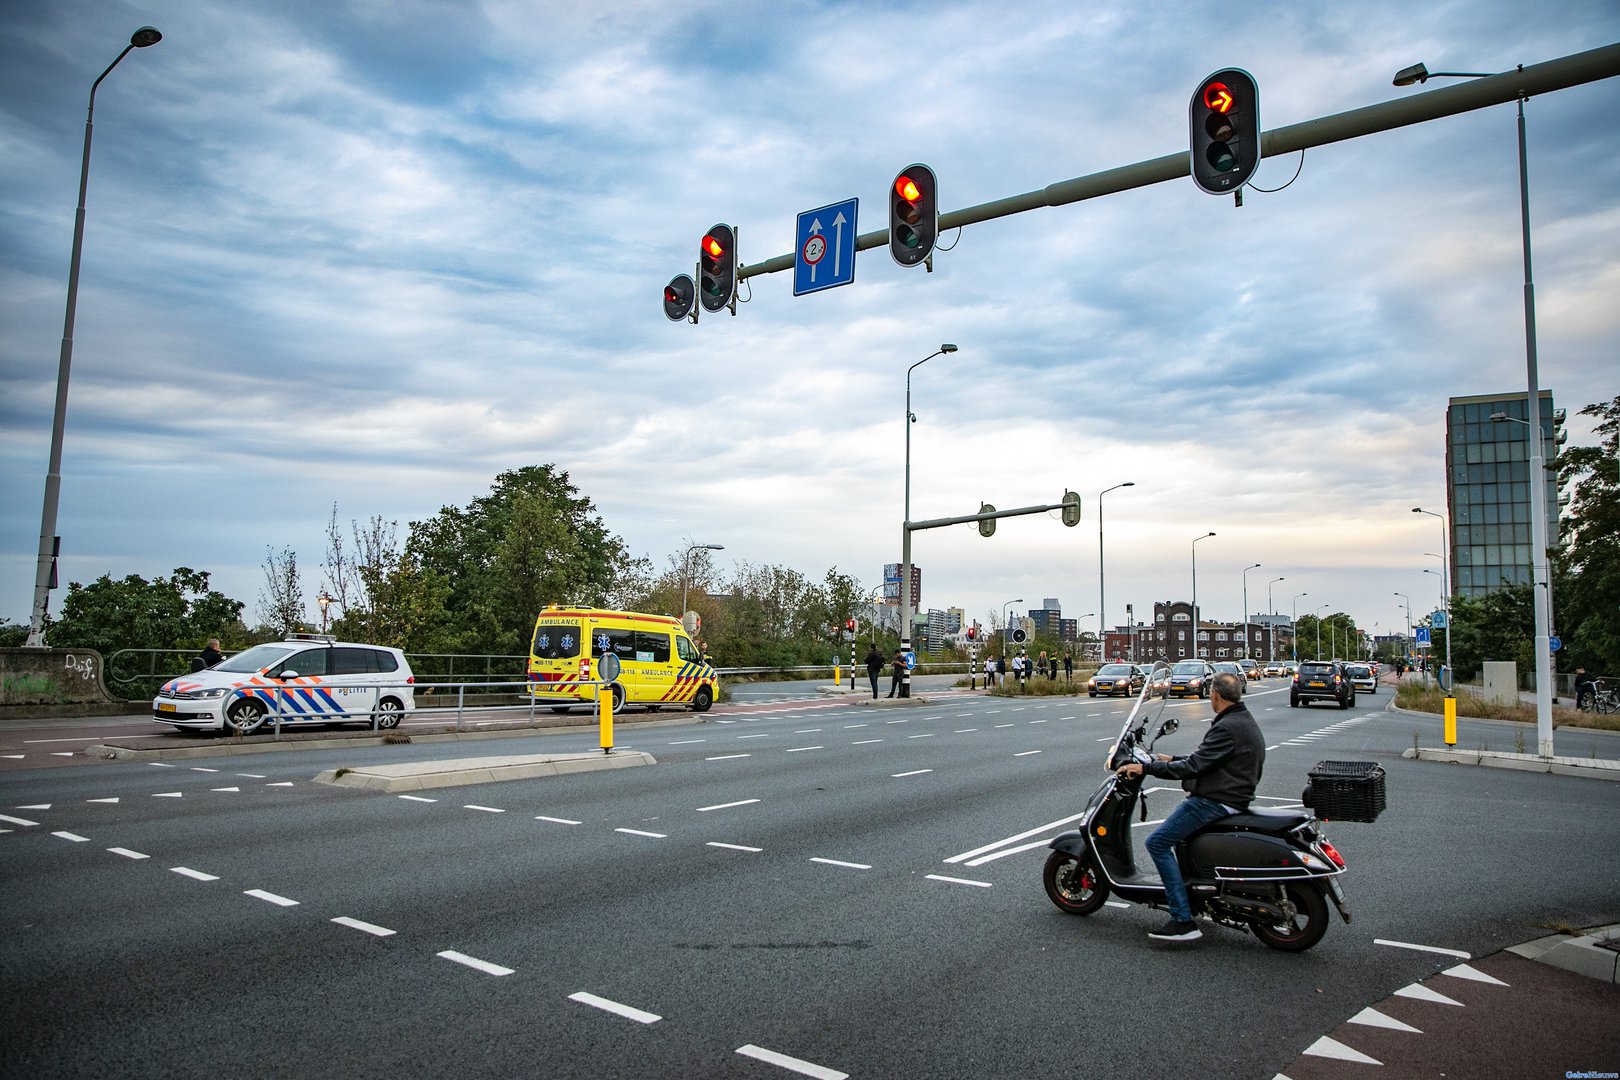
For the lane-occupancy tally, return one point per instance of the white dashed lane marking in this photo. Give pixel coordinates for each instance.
(369, 928)
(616, 1008)
(279, 901)
(476, 964)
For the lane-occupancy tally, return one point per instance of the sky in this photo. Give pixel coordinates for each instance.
(371, 254)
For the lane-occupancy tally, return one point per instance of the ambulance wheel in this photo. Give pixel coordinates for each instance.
(389, 712)
(618, 698)
(245, 717)
(702, 699)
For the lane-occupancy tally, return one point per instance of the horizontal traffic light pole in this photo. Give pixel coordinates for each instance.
(939, 523)
(1543, 78)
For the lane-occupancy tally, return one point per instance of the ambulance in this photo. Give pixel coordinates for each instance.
(658, 664)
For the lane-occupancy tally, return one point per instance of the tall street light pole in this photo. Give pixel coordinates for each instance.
(1293, 626)
(1206, 536)
(1246, 570)
(1102, 601)
(905, 529)
(686, 568)
(1271, 627)
(144, 37)
(1319, 611)
(1542, 593)
(1408, 600)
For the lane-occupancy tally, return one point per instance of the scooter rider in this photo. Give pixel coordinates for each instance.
(1220, 778)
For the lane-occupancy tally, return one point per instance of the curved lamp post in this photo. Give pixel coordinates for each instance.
(905, 528)
(1004, 627)
(144, 37)
(1293, 626)
(1102, 594)
(1246, 570)
(686, 568)
(1206, 536)
(1271, 627)
(1445, 588)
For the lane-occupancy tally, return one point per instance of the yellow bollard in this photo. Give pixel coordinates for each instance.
(604, 714)
(1451, 721)
(838, 675)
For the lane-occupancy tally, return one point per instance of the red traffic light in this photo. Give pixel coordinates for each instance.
(1218, 96)
(906, 188)
(973, 633)
(849, 624)
(717, 276)
(913, 214)
(712, 247)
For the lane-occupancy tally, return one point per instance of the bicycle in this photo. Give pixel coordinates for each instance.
(1600, 697)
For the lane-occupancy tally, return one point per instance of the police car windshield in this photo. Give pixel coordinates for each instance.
(257, 658)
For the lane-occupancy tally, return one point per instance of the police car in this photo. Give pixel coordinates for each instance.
(306, 679)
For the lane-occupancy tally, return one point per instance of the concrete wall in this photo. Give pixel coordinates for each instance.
(47, 682)
(1501, 682)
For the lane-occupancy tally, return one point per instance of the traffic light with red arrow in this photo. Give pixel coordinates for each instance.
(1224, 118)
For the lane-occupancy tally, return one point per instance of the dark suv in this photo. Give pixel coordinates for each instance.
(1322, 680)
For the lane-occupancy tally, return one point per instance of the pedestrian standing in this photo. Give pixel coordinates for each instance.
(874, 668)
(1068, 667)
(989, 673)
(1042, 668)
(1052, 669)
(897, 672)
(211, 654)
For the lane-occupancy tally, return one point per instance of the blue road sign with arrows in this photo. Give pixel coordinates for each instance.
(1420, 636)
(824, 248)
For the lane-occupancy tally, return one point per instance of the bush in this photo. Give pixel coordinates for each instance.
(1415, 696)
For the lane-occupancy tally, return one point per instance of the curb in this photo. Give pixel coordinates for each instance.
(1592, 768)
(1591, 954)
(424, 775)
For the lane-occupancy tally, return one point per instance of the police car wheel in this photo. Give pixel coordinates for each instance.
(245, 717)
(702, 699)
(389, 712)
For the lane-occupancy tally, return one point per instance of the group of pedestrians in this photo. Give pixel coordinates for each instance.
(874, 670)
(1023, 667)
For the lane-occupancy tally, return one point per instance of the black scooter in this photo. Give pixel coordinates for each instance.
(1266, 871)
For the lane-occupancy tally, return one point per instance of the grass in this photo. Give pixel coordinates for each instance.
(1430, 700)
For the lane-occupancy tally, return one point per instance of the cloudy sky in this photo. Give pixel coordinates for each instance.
(373, 252)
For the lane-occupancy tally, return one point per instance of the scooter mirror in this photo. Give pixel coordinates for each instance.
(1169, 727)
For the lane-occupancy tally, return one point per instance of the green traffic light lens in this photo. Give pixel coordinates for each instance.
(909, 238)
(1221, 158)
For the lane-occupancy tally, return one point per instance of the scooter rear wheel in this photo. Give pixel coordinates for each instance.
(1072, 884)
(1307, 927)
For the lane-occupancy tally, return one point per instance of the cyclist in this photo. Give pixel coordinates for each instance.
(1585, 689)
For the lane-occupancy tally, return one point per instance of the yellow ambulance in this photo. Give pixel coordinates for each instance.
(658, 664)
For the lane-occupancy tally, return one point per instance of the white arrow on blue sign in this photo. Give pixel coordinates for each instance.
(824, 248)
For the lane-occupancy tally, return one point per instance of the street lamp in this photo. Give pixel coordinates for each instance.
(1246, 570)
(1499, 417)
(1542, 593)
(1004, 627)
(326, 601)
(905, 528)
(1408, 600)
(1319, 611)
(43, 574)
(686, 568)
(1102, 602)
(1293, 626)
(1271, 627)
(1206, 536)
(1445, 591)
(1087, 615)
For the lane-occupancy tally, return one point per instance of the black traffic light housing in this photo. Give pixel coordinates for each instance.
(913, 214)
(717, 268)
(973, 633)
(1224, 122)
(680, 297)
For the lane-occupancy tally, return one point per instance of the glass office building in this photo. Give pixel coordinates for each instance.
(1488, 488)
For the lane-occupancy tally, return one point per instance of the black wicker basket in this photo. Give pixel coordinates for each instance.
(1346, 790)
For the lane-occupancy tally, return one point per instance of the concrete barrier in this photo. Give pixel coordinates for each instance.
(54, 682)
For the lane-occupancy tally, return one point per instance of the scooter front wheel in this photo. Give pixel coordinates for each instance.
(1072, 884)
(1310, 921)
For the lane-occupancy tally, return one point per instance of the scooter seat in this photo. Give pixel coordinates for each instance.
(1265, 819)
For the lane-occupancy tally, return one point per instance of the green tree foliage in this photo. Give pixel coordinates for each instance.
(177, 612)
(1340, 637)
(1500, 625)
(532, 541)
(1586, 573)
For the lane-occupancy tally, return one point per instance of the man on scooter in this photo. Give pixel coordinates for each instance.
(1220, 778)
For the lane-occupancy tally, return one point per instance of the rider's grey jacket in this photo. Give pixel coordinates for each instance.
(1227, 764)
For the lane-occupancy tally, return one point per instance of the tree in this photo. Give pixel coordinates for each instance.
(281, 604)
(177, 612)
(1499, 625)
(1586, 571)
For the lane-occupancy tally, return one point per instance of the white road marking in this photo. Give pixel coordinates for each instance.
(370, 928)
(1419, 992)
(1374, 1018)
(686, 742)
(1004, 852)
(864, 742)
(734, 847)
(161, 764)
(260, 894)
(128, 854)
(642, 832)
(958, 881)
(792, 1064)
(1004, 725)
(1116, 903)
(476, 964)
(913, 772)
(236, 789)
(807, 731)
(1463, 971)
(800, 749)
(1330, 1048)
(558, 820)
(75, 837)
(167, 795)
(924, 735)
(17, 820)
(847, 727)
(1423, 948)
(485, 809)
(761, 735)
(283, 783)
(725, 757)
(418, 798)
(1026, 753)
(195, 875)
(1037, 721)
(847, 865)
(726, 806)
(252, 775)
(62, 753)
(1068, 718)
(964, 731)
(35, 806)
(626, 1011)
(199, 768)
(14, 757)
(1048, 827)
(897, 721)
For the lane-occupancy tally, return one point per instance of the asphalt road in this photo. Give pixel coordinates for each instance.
(807, 888)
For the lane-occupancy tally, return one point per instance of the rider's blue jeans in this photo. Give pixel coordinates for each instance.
(1193, 814)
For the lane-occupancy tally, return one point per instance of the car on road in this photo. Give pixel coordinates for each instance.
(1321, 680)
(306, 679)
(1231, 667)
(1189, 678)
(1276, 668)
(1362, 678)
(1251, 669)
(1111, 679)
